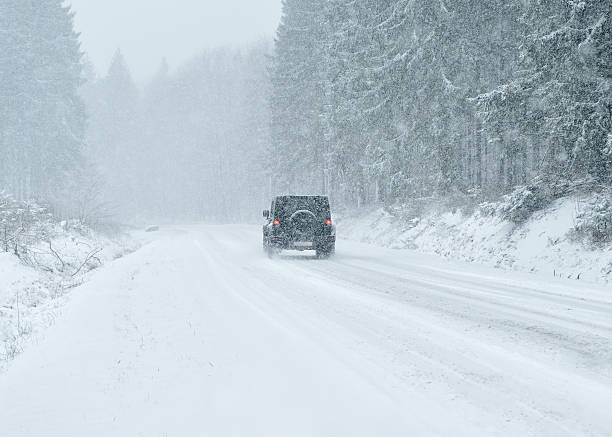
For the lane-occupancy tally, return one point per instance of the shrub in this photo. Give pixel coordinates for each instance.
(525, 200)
(22, 224)
(594, 222)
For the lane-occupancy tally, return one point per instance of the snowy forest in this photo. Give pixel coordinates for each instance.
(434, 256)
(368, 101)
(189, 145)
(387, 100)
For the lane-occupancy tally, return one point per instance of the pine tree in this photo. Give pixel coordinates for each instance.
(299, 96)
(114, 109)
(357, 109)
(560, 95)
(43, 118)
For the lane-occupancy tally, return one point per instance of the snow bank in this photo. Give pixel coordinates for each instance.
(543, 243)
(33, 288)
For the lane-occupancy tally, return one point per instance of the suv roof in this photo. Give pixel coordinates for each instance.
(301, 197)
(287, 205)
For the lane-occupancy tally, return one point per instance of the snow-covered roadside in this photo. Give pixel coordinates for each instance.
(542, 244)
(200, 334)
(32, 293)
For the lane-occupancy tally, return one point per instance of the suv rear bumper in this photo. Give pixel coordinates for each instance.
(323, 243)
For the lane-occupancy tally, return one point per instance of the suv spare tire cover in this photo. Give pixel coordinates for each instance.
(303, 223)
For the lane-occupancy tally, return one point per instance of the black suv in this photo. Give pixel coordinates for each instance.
(299, 223)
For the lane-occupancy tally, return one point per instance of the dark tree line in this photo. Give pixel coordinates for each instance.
(388, 100)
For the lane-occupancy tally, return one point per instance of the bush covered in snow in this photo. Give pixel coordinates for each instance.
(22, 225)
(37, 238)
(41, 259)
(594, 221)
(519, 205)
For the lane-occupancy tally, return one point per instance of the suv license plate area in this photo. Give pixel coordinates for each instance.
(302, 244)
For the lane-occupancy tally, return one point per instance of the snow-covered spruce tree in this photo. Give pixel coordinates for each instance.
(358, 112)
(410, 79)
(342, 116)
(299, 93)
(557, 105)
(113, 107)
(42, 118)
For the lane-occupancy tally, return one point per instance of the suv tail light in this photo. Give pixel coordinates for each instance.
(276, 222)
(328, 222)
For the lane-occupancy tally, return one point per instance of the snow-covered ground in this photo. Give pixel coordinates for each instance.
(198, 333)
(32, 295)
(542, 244)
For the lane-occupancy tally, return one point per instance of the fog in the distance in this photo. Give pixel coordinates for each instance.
(177, 111)
(147, 30)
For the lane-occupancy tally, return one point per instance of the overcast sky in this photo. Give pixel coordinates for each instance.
(147, 30)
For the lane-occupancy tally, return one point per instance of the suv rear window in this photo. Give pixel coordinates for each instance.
(286, 206)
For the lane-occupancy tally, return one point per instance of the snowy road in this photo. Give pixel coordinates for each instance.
(198, 334)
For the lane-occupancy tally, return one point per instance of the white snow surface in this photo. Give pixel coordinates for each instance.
(542, 244)
(32, 296)
(198, 333)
